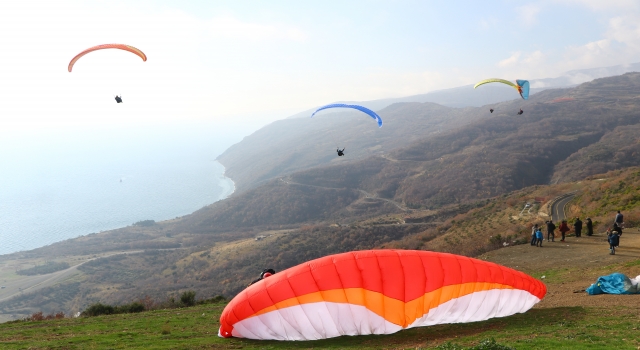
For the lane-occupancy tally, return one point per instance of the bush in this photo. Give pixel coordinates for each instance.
(98, 309)
(188, 298)
(129, 308)
(38, 316)
(215, 300)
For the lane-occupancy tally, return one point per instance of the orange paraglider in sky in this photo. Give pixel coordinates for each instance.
(377, 292)
(108, 46)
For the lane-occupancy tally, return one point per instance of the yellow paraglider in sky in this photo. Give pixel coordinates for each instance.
(522, 86)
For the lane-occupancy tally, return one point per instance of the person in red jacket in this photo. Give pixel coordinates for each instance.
(564, 228)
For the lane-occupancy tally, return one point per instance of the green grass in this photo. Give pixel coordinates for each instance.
(196, 328)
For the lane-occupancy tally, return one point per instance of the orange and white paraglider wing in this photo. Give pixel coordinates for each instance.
(107, 46)
(377, 292)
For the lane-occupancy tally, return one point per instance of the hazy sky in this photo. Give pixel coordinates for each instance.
(256, 61)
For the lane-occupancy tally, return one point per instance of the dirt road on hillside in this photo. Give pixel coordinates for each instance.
(365, 193)
(574, 265)
(28, 284)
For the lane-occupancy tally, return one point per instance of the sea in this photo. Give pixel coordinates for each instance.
(61, 183)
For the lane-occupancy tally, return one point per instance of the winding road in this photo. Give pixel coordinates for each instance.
(558, 206)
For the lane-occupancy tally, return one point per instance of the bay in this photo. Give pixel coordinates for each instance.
(56, 185)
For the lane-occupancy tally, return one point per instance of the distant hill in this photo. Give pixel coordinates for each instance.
(300, 143)
(290, 145)
(618, 149)
(497, 155)
(465, 96)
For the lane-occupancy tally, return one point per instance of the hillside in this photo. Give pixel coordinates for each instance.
(563, 319)
(223, 263)
(617, 149)
(456, 191)
(498, 155)
(289, 145)
(299, 142)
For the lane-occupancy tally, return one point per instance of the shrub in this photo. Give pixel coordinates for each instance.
(215, 300)
(188, 298)
(98, 309)
(129, 308)
(39, 316)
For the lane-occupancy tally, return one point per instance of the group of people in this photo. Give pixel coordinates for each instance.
(564, 228)
(613, 233)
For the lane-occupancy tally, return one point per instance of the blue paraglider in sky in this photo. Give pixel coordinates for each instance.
(360, 108)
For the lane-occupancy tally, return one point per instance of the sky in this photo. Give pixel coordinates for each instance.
(243, 64)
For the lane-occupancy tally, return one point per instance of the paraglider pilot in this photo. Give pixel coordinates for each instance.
(491, 110)
(519, 113)
(265, 273)
(340, 152)
(118, 99)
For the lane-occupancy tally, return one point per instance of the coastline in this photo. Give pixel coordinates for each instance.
(225, 185)
(230, 187)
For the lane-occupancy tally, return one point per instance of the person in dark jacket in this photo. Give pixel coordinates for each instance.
(564, 228)
(613, 239)
(340, 152)
(265, 273)
(577, 225)
(619, 219)
(618, 229)
(551, 227)
(589, 227)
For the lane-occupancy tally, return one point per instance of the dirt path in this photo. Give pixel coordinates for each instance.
(574, 265)
(365, 193)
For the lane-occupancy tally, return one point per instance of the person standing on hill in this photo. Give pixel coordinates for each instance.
(614, 240)
(577, 225)
(539, 237)
(619, 219)
(589, 227)
(617, 228)
(533, 234)
(551, 227)
(564, 228)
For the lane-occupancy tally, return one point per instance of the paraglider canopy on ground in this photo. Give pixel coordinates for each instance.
(377, 292)
(615, 283)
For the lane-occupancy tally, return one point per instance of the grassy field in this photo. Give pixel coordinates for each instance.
(562, 327)
(565, 319)
(196, 328)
